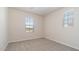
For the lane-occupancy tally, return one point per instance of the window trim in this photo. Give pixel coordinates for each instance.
(30, 24)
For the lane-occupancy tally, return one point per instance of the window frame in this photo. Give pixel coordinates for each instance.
(68, 17)
(29, 22)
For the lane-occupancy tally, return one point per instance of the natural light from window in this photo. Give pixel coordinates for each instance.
(68, 17)
(29, 24)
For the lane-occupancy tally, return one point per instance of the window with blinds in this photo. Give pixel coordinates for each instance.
(29, 24)
(68, 17)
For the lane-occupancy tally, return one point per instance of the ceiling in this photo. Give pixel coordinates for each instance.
(38, 10)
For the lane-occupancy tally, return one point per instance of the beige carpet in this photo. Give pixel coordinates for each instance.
(38, 45)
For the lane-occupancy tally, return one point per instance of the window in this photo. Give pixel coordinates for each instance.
(29, 24)
(68, 17)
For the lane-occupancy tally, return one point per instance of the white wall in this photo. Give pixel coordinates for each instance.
(17, 26)
(54, 29)
(3, 28)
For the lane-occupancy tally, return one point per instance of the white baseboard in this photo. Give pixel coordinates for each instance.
(62, 43)
(52, 40)
(24, 40)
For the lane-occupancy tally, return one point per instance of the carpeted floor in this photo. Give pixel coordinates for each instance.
(38, 45)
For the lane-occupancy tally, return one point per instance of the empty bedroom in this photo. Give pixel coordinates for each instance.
(40, 29)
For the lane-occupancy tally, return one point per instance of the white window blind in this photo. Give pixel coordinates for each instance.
(68, 17)
(29, 24)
